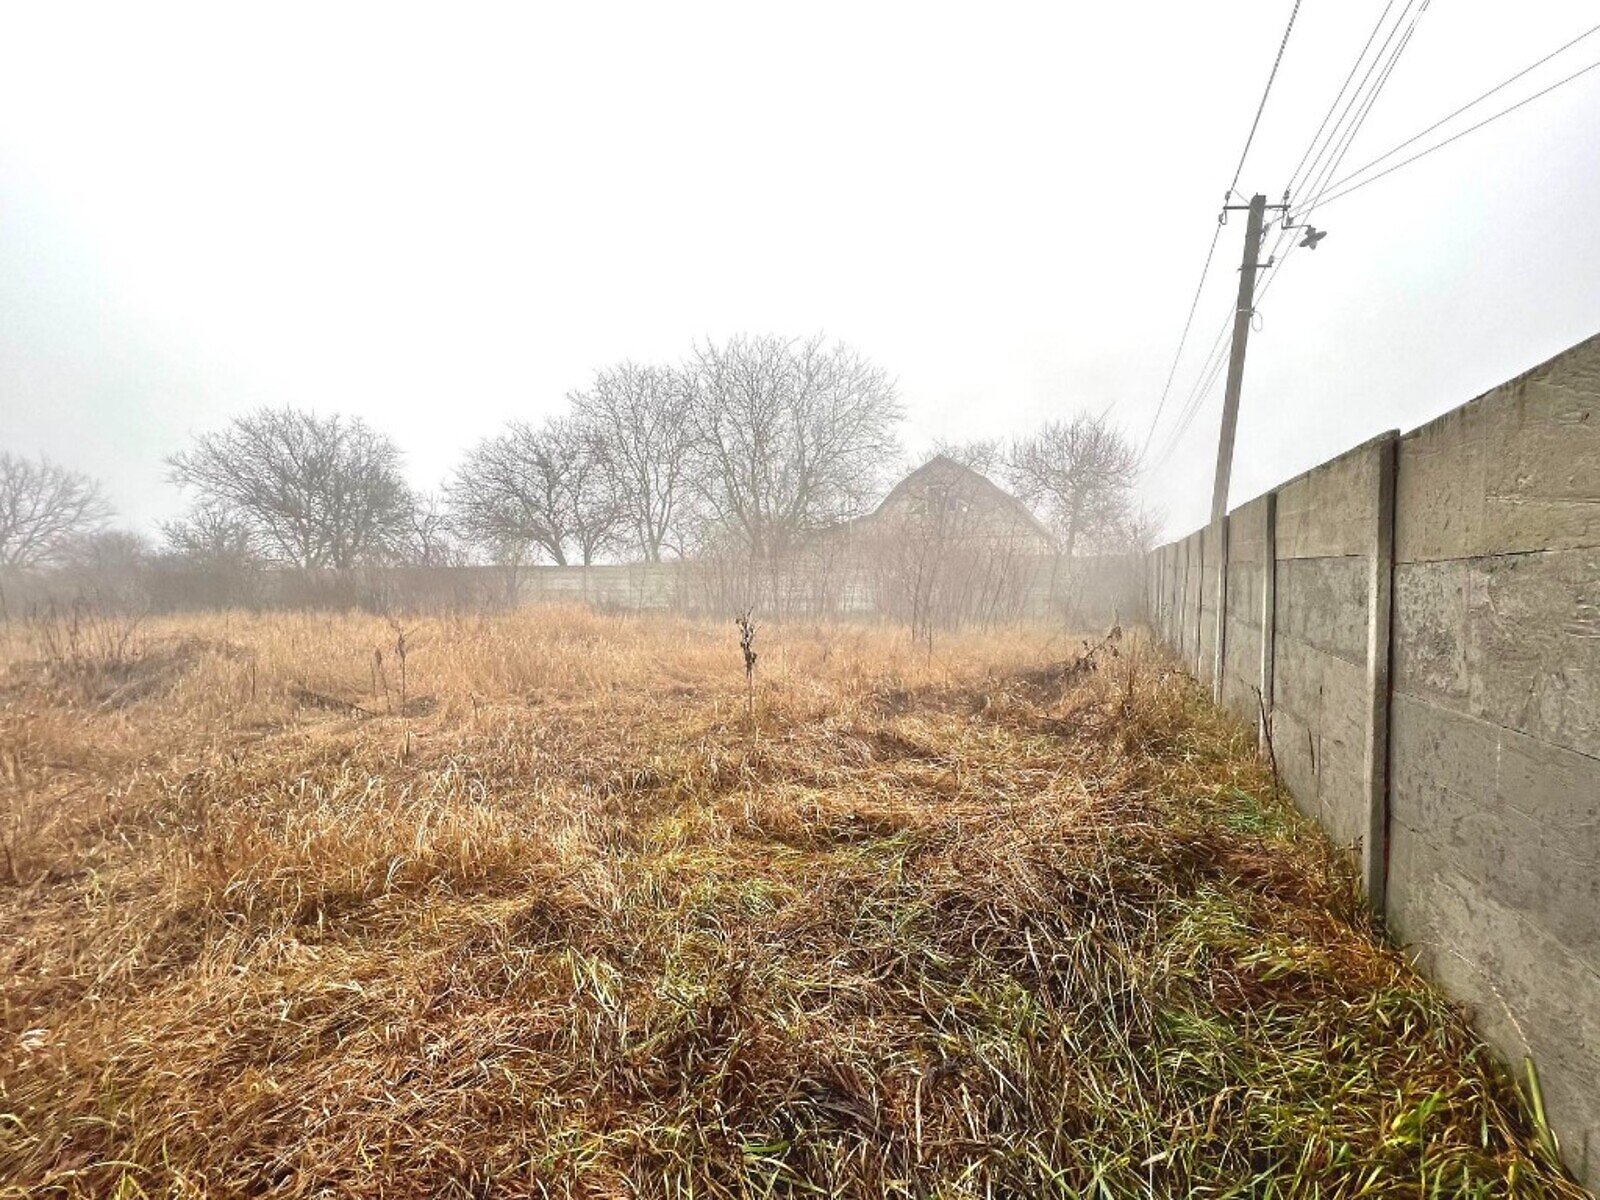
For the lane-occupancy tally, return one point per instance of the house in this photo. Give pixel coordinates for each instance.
(957, 502)
(947, 546)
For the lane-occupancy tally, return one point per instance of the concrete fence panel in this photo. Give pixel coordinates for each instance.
(1494, 872)
(1323, 543)
(1419, 621)
(1248, 548)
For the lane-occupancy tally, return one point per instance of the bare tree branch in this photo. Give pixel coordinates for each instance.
(314, 491)
(1080, 475)
(545, 489)
(789, 437)
(44, 508)
(639, 415)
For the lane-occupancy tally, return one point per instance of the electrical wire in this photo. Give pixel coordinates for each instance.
(1501, 86)
(1370, 102)
(1206, 385)
(1217, 233)
(1183, 339)
(1265, 92)
(1192, 402)
(1360, 105)
(1354, 67)
(1320, 177)
(1314, 170)
(1325, 163)
(1453, 138)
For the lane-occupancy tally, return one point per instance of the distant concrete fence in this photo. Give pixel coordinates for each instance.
(1085, 591)
(1416, 626)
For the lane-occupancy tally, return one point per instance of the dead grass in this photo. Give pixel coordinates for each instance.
(569, 922)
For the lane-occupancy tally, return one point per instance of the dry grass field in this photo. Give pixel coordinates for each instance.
(542, 911)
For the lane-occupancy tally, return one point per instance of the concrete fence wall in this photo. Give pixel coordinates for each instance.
(1088, 591)
(1416, 626)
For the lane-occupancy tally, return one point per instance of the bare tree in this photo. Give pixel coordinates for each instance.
(543, 489)
(212, 534)
(44, 509)
(790, 437)
(314, 491)
(431, 541)
(1079, 474)
(107, 550)
(640, 415)
(1140, 530)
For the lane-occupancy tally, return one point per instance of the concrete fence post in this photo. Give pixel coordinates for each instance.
(1181, 617)
(1180, 560)
(1380, 608)
(1199, 559)
(1174, 613)
(1153, 574)
(1220, 648)
(1172, 584)
(1269, 616)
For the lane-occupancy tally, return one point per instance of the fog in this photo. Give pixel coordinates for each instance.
(441, 219)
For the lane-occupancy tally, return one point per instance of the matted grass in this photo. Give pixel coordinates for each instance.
(568, 922)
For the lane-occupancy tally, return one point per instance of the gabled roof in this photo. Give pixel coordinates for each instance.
(981, 484)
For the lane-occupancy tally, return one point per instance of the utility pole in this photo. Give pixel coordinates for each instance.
(1241, 335)
(1218, 530)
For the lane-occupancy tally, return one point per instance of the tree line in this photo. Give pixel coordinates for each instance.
(746, 447)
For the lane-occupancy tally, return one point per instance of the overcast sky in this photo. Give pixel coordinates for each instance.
(442, 217)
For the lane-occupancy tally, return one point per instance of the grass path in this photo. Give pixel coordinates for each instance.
(573, 924)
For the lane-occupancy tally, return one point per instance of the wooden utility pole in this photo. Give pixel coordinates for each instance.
(1241, 335)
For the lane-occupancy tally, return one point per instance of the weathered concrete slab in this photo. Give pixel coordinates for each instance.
(1242, 654)
(1323, 602)
(1325, 690)
(1519, 818)
(1213, 545)
(1513, 639)
(1246, 532)
(1527, 993)
(1516, 470)
(1244, 594)
(1319, 735)
(1180, 586)
(1187, 629)
(1323, 771)
(1328, 511)
(1241, 672)
(1294, 744)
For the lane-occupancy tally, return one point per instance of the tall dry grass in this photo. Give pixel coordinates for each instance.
(567, 920)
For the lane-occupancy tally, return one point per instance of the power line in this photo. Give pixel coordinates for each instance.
(1469, 104)
(1203, 390)
(1324, 165)
(1372, 99)
(1211, 250)
(1359, 104)
(1354, 67)
(1267, 91)
(1217, 233)
(1362, 107)
(1191, 403)
(1318, 164)
(1272, 272)
(1183, 340)
(1453, 138)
